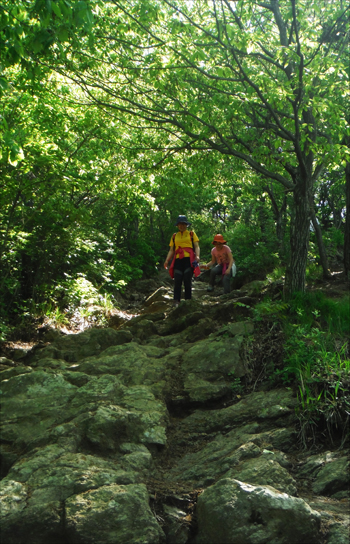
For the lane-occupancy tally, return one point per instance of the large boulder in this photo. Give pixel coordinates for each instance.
(210, 365)
(161, 294)
(264, 471)
(188, 313)
(214, 358)
(28, 518)
(277, 404)
(233, 512)
(133, 364)
(333, 478)
(33, 403)
(240, 456)
(327, 473)
(112, 514)
(142, 329)
(338, 533)
(202, 329)
(44, 407)
(138, 417)
(33, 493)
(74, 347)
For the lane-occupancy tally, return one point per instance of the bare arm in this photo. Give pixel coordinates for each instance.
(169, 257)
(197, 250)
(211, 263)
(230, 263)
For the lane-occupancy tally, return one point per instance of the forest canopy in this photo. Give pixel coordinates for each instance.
(117, 116)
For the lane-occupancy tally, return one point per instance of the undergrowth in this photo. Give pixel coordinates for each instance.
(316, 362)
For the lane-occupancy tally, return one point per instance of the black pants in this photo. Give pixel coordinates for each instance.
(183, 272)
(226, 280)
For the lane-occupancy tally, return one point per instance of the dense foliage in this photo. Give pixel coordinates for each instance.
(115, 117)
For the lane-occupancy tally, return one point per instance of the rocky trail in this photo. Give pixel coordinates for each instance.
(163, 428)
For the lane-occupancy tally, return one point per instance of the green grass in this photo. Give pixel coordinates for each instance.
(314, 307)
(316, 361)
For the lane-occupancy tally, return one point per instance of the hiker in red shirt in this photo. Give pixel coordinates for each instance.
(221, 263)
(184, 254)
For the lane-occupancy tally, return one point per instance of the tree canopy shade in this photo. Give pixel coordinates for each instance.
(114, 117)
(31, 27)
(262, 82)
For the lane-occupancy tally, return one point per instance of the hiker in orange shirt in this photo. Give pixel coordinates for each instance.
(221, 263)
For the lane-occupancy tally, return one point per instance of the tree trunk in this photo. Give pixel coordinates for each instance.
(299, 241)
(281, 225)
(347, 224)
(320, 243)
(279, 217)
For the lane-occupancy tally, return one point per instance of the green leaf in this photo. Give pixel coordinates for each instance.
(63, 35)
(56, 9)
(4, 85)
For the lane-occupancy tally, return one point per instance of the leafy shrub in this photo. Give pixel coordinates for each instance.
(333, 239)
(316, 360)
(254, 253)
(4, 330)
(309, 307)
(322, 371)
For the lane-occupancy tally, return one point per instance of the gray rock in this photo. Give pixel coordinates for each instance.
(119, 514)
(174, 325)
(19, 353)
(233, 309)
(27, 517)
(188, 313)
(129, 362)
(32, 404)
(176, 528)
(99, 388)
(33, 492)
(74, 347)
(241, 328)
(232, 512)
(213, 461)
(143, 329)
(196, 332)
(158, 295)
(90, 411)
(339, 533)
(333, 477)
(118, 413)
(49, 334)
(202, 390)
(239, 456)
(6, 362)
(262, 471)
(314, 463)
(14, 371)
(111, 425)
(264, 405)
(214, 358)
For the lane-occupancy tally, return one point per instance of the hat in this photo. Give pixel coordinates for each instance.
(219, 238)
(182, 219)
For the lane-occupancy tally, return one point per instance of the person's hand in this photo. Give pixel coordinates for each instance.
(228, 272)
(166, 265)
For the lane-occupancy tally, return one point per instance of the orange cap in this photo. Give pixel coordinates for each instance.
(219, 238)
